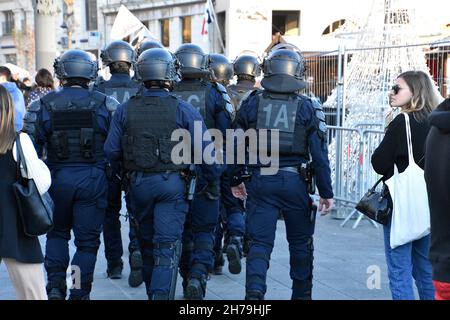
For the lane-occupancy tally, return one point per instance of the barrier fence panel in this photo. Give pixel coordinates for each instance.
(350, 151)
(371, 140)
(344, 146)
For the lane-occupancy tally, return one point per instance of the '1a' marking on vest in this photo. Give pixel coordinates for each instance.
(281, 121)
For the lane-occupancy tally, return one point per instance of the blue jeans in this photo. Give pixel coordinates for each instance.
(405, 263)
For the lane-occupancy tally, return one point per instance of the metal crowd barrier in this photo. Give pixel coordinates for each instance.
(350, 150)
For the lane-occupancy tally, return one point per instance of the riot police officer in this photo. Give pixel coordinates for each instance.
(72, 124)
(246, 68)
(301, 135)
(221, 69)
(212, 101)
(231, 218)
(140, 137)
(119, 56)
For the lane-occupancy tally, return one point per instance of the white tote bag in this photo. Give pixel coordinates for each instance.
(411, 214)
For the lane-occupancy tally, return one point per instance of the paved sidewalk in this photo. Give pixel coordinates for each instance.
(342, 259)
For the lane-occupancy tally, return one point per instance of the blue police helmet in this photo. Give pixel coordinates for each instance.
(284, 71)
(75, 64)
(221, 68)
(148, 44)
(247, 65)
(157, 64)
(193, 60)
(118, 51)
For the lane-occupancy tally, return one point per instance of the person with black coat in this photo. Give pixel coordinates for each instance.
(416, 95)
(21, 254)
(437, 177)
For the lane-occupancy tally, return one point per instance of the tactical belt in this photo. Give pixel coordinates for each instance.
(147, 174)
(289, 169)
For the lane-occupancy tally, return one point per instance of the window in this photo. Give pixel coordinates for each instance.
(286, 22)
(91, 15)
(397, 16)
(186, 29)
(165, 32)
(333, 27)
(221, 18)
(8, 23)
(11, 58)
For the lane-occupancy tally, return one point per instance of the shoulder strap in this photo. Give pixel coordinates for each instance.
(20, 157)
(408, 138)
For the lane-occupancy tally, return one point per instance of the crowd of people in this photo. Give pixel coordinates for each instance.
(102, 139)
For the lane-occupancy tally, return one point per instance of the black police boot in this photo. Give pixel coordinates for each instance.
(254, 295)
(245, 247)
(301, 290)
(82, 293)
(85, 297)
(135, 278)
(114, 270)
(184, 284)
(219, 261)
(56, 290)
(195, 289)
(159, 296)
(234, 255)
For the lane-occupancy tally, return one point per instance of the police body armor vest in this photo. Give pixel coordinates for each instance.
(279, 111)
(146, 142)
(75, 135)
(121, 91)
(195, 93)
(238, 94)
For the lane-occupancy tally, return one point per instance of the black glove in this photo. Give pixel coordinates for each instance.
(212, 190)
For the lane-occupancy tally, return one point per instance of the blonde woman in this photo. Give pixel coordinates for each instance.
(21, 254)
(415, 94)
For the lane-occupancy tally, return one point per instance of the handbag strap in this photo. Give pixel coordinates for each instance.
(408, 139)
(20, 157)
(377, 183)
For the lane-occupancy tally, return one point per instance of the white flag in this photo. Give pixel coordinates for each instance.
(125, 24)
(143, 34)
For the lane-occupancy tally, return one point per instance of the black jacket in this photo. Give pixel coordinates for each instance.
(437, 177)
(14, 243)
(394, 148)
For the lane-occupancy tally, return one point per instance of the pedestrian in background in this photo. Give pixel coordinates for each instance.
(414, 93)
(16, 95)
(21, 254)
(437, 173)
(44, 84)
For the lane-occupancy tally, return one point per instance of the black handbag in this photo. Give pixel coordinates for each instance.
(377, 205)
(35, 211)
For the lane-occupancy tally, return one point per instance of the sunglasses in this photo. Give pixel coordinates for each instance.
(396, 88)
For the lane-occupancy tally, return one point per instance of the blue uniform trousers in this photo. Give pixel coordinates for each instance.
(159, 205)
(198, 237)
(111, 229)
(79, 194)
(267, 196)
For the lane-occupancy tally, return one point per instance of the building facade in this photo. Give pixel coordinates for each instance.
(244, 25)
(76, 25)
